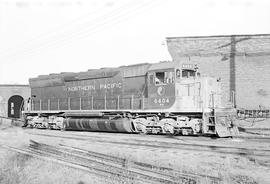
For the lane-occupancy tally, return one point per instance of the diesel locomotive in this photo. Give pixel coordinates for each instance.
(160, 98)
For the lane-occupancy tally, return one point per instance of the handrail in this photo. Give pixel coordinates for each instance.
(257, 113)
(106, 103)
(88, 103)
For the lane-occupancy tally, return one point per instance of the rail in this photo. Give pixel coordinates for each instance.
(8, 121)
(13, 119)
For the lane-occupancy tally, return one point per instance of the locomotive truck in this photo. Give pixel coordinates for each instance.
(159, 98)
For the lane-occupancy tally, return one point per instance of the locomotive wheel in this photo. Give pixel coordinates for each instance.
(168, 126)
(140, 125)
(143, 130)
(175, 132)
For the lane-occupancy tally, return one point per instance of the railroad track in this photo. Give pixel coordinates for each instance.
(132, 170)
(109, 166)
(144, 166)
(101, 166)
(9, 118)
(264, 137)
(256, 131)
(92, 166)
(231, 150)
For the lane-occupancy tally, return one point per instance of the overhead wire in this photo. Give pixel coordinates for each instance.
(114, 18)
(56, 37)
(53, 30)
(91, 29)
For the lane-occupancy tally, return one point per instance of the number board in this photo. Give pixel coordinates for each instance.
(187, 66)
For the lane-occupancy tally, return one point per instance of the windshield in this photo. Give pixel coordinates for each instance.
(188, 73)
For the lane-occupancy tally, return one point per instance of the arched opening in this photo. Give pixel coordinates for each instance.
(14, 106)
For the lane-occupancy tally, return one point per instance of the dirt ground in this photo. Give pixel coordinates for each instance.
(234, 160)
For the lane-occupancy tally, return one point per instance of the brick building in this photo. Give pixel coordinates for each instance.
(12, 98)
(242, 62)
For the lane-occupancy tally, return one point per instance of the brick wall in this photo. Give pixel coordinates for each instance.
(242, 62)
(6, 91)
(253, 82)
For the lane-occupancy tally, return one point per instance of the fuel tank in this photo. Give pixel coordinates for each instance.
(104, 125)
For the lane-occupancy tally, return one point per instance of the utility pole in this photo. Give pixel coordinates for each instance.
(232, 66)
(232, 69)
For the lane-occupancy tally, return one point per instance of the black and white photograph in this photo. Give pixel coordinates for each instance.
(134, 91)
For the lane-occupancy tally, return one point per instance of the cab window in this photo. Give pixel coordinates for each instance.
(188, 73)
(164, 78)
(160, 78)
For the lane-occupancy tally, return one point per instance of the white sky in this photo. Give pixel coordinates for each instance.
(51, 36)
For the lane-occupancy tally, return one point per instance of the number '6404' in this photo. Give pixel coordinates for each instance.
(161, 100)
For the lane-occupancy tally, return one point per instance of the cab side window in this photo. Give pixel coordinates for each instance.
(170, 77)
(160, 78)
(164, 78)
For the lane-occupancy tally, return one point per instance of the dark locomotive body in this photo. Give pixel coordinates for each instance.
(160, 98)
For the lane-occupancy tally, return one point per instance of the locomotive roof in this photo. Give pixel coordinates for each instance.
(102, 72)
(136, 70)
(127, 71)
(163, 65)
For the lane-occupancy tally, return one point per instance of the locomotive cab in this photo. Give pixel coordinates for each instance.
(201, 96)
(193, 92)
(184, 95)
(180, 88)
(161, 86)
(187, 71)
